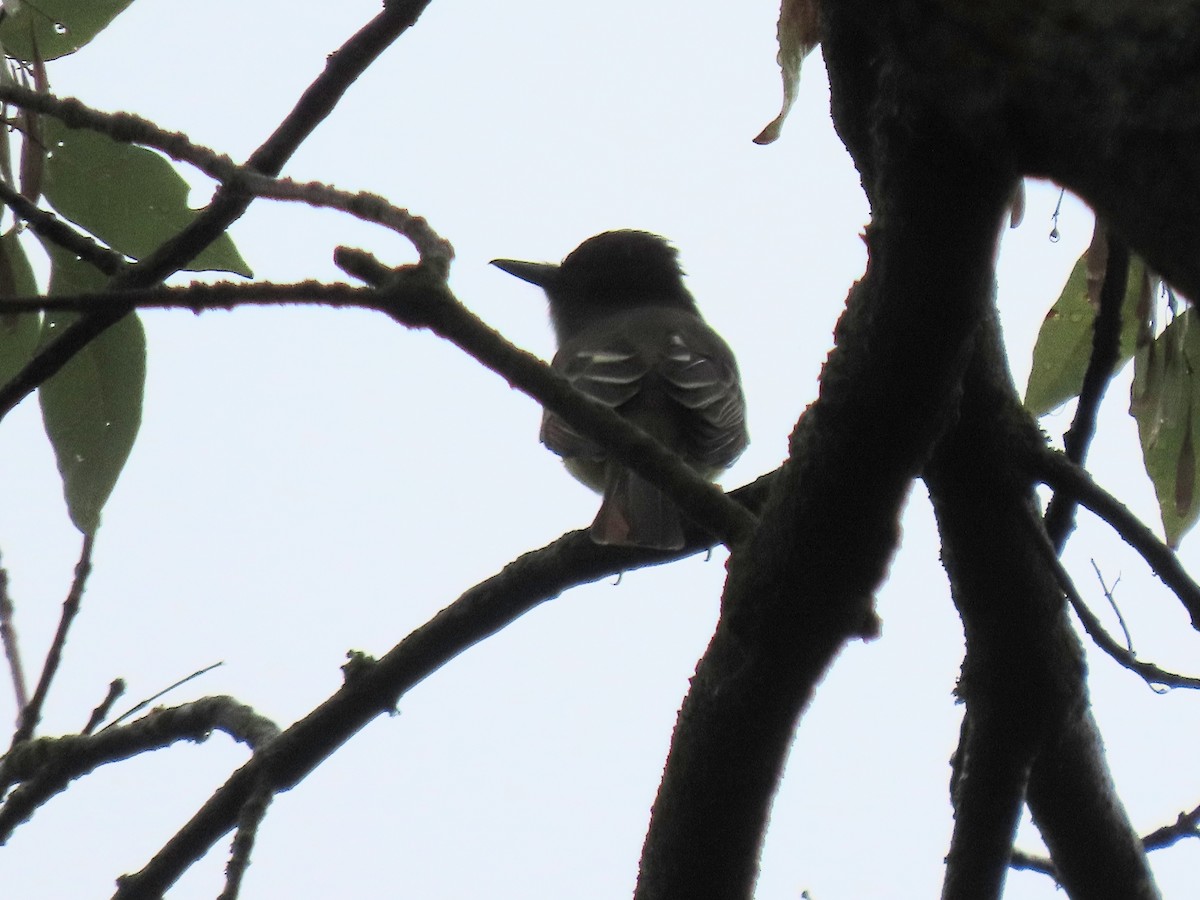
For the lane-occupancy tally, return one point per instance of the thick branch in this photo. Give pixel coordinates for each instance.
(374, 688)
(1074, 804)
(803, 585)
(1023, 676)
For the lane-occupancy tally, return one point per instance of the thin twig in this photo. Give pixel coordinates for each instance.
(1106, 341)
(46, 766)
(53, 229)
(1187, 825)
(1150, 673)
(1029, 862)
(12, 647)
(1053, 469)
(1112, 602)
(115, 689)
(124, 127)
(1054, 235)
(250, 818)
(31, 714)
(138, 707)
(200, 296)
(362, 205)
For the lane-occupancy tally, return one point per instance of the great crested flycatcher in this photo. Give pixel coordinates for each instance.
(630, 336)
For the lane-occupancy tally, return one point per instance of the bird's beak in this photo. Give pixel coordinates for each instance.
(541, 274)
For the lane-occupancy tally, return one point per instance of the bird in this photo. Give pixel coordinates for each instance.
(629, 334)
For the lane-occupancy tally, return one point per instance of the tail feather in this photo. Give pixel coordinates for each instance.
(636, 513)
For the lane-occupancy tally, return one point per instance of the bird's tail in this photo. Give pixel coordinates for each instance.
(636, 513)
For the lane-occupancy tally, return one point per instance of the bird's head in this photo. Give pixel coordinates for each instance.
(609, 272)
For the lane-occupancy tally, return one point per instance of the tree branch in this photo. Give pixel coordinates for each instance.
(46, 766)
(1080, 816)
(53, 229)
(199, 297)
(1184, 826)
(803, 585)
(116, 688)
(342, 69)
(1149, 672)
(32, 713)
(1055, 470)
(1023, 678)
(1013, 681)
(373, 688)
(1106, 340)
(251, 816)
(12, 647)
(420, 299)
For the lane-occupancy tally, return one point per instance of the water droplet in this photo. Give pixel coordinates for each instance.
(1054, 235)
(60, 28)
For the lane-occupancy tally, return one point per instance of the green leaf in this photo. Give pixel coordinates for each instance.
(1164, 402)
(129, 197)
(92, 408)
(58, 27)
(1064, 345)
(18, 331)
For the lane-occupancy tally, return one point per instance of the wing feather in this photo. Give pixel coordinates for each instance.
(663, 361)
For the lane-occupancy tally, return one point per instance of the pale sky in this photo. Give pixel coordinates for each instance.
(308, 482)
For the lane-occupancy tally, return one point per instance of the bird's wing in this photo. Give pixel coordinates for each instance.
(705, 381)
(613, 375)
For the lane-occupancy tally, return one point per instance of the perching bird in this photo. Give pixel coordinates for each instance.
(630, 335)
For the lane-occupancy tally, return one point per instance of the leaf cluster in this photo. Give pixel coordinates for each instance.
(129, 200)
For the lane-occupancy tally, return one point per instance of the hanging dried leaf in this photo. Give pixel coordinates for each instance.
(1016, 209)
(1163, 401)
(799, 32)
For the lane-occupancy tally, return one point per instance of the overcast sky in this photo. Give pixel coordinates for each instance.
(308, 482)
